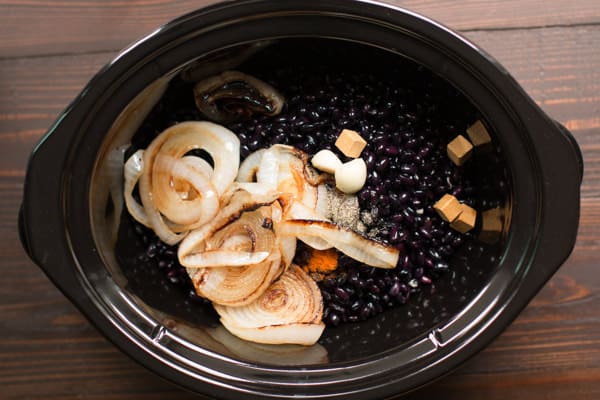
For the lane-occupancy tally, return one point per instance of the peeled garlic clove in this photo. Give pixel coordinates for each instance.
(350, 177)
(326, 161)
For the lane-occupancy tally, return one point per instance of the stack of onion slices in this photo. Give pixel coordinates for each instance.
(289, 311)
(239, 227)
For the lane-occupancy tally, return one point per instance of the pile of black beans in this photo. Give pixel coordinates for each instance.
(407, 116)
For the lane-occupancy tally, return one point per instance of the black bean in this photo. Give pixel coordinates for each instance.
(392, 150)
(341, 294)
(333, 319)
(441, 266)
(374, 289)
(360, 284)
(356, 306)
(333, 305)
(394, 290)
(329, 282)
(408, 169)
(382, 165)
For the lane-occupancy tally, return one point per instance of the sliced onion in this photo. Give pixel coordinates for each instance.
(246, 239)
(287, 248)
(233, 95)
(285, 169)
(173, 182)
(225, 258)
(293, 298)
(254, 188)
(289, 311)
(300, 333)
(236, 286)
(238, 202)
(159, 183)
(219, 142)
(290, 177)
(252, 231)
(268, 170)
(309, 195)
(287, 244)
(322, 203)
(132, 171)
(249, 167)
(186, 191)
(199, 164)
(315, 242)
(299, 179)
(280, 354)
(298, 210)
(348, 242)
(246, 228)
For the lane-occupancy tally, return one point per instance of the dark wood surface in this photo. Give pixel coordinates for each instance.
(48, 51)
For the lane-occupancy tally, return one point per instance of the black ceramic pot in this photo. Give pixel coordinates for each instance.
(66, 209)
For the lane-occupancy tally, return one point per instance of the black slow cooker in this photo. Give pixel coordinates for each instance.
(67, 216)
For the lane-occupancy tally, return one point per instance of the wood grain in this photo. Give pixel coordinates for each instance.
(31, 27)
(48, 350)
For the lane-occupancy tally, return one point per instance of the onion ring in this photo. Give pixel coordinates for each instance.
(289, 311)
(348, 242)
(169, 209)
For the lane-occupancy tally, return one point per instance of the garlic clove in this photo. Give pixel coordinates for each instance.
(326, 161)
(350, 177)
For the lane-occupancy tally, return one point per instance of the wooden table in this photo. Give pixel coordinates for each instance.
(48, 51)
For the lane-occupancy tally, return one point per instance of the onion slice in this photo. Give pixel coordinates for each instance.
(287, 244)
(289, 311)
(322, 203)
(348, 242)
(225, 258)
(236, 286)
(249, 167)
(315, 242)
(298, 333)
(267, 173)
(244, 233)
(233, 95)
(280, 354)
(219, 142)
(235, 263)
(182, 192)
(239, 202)
(199, 164)
(177, 193)
(132, 171)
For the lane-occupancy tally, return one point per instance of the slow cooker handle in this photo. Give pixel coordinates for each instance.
(41, 223)
(573, 143)
(22, 235)
(561, 164)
